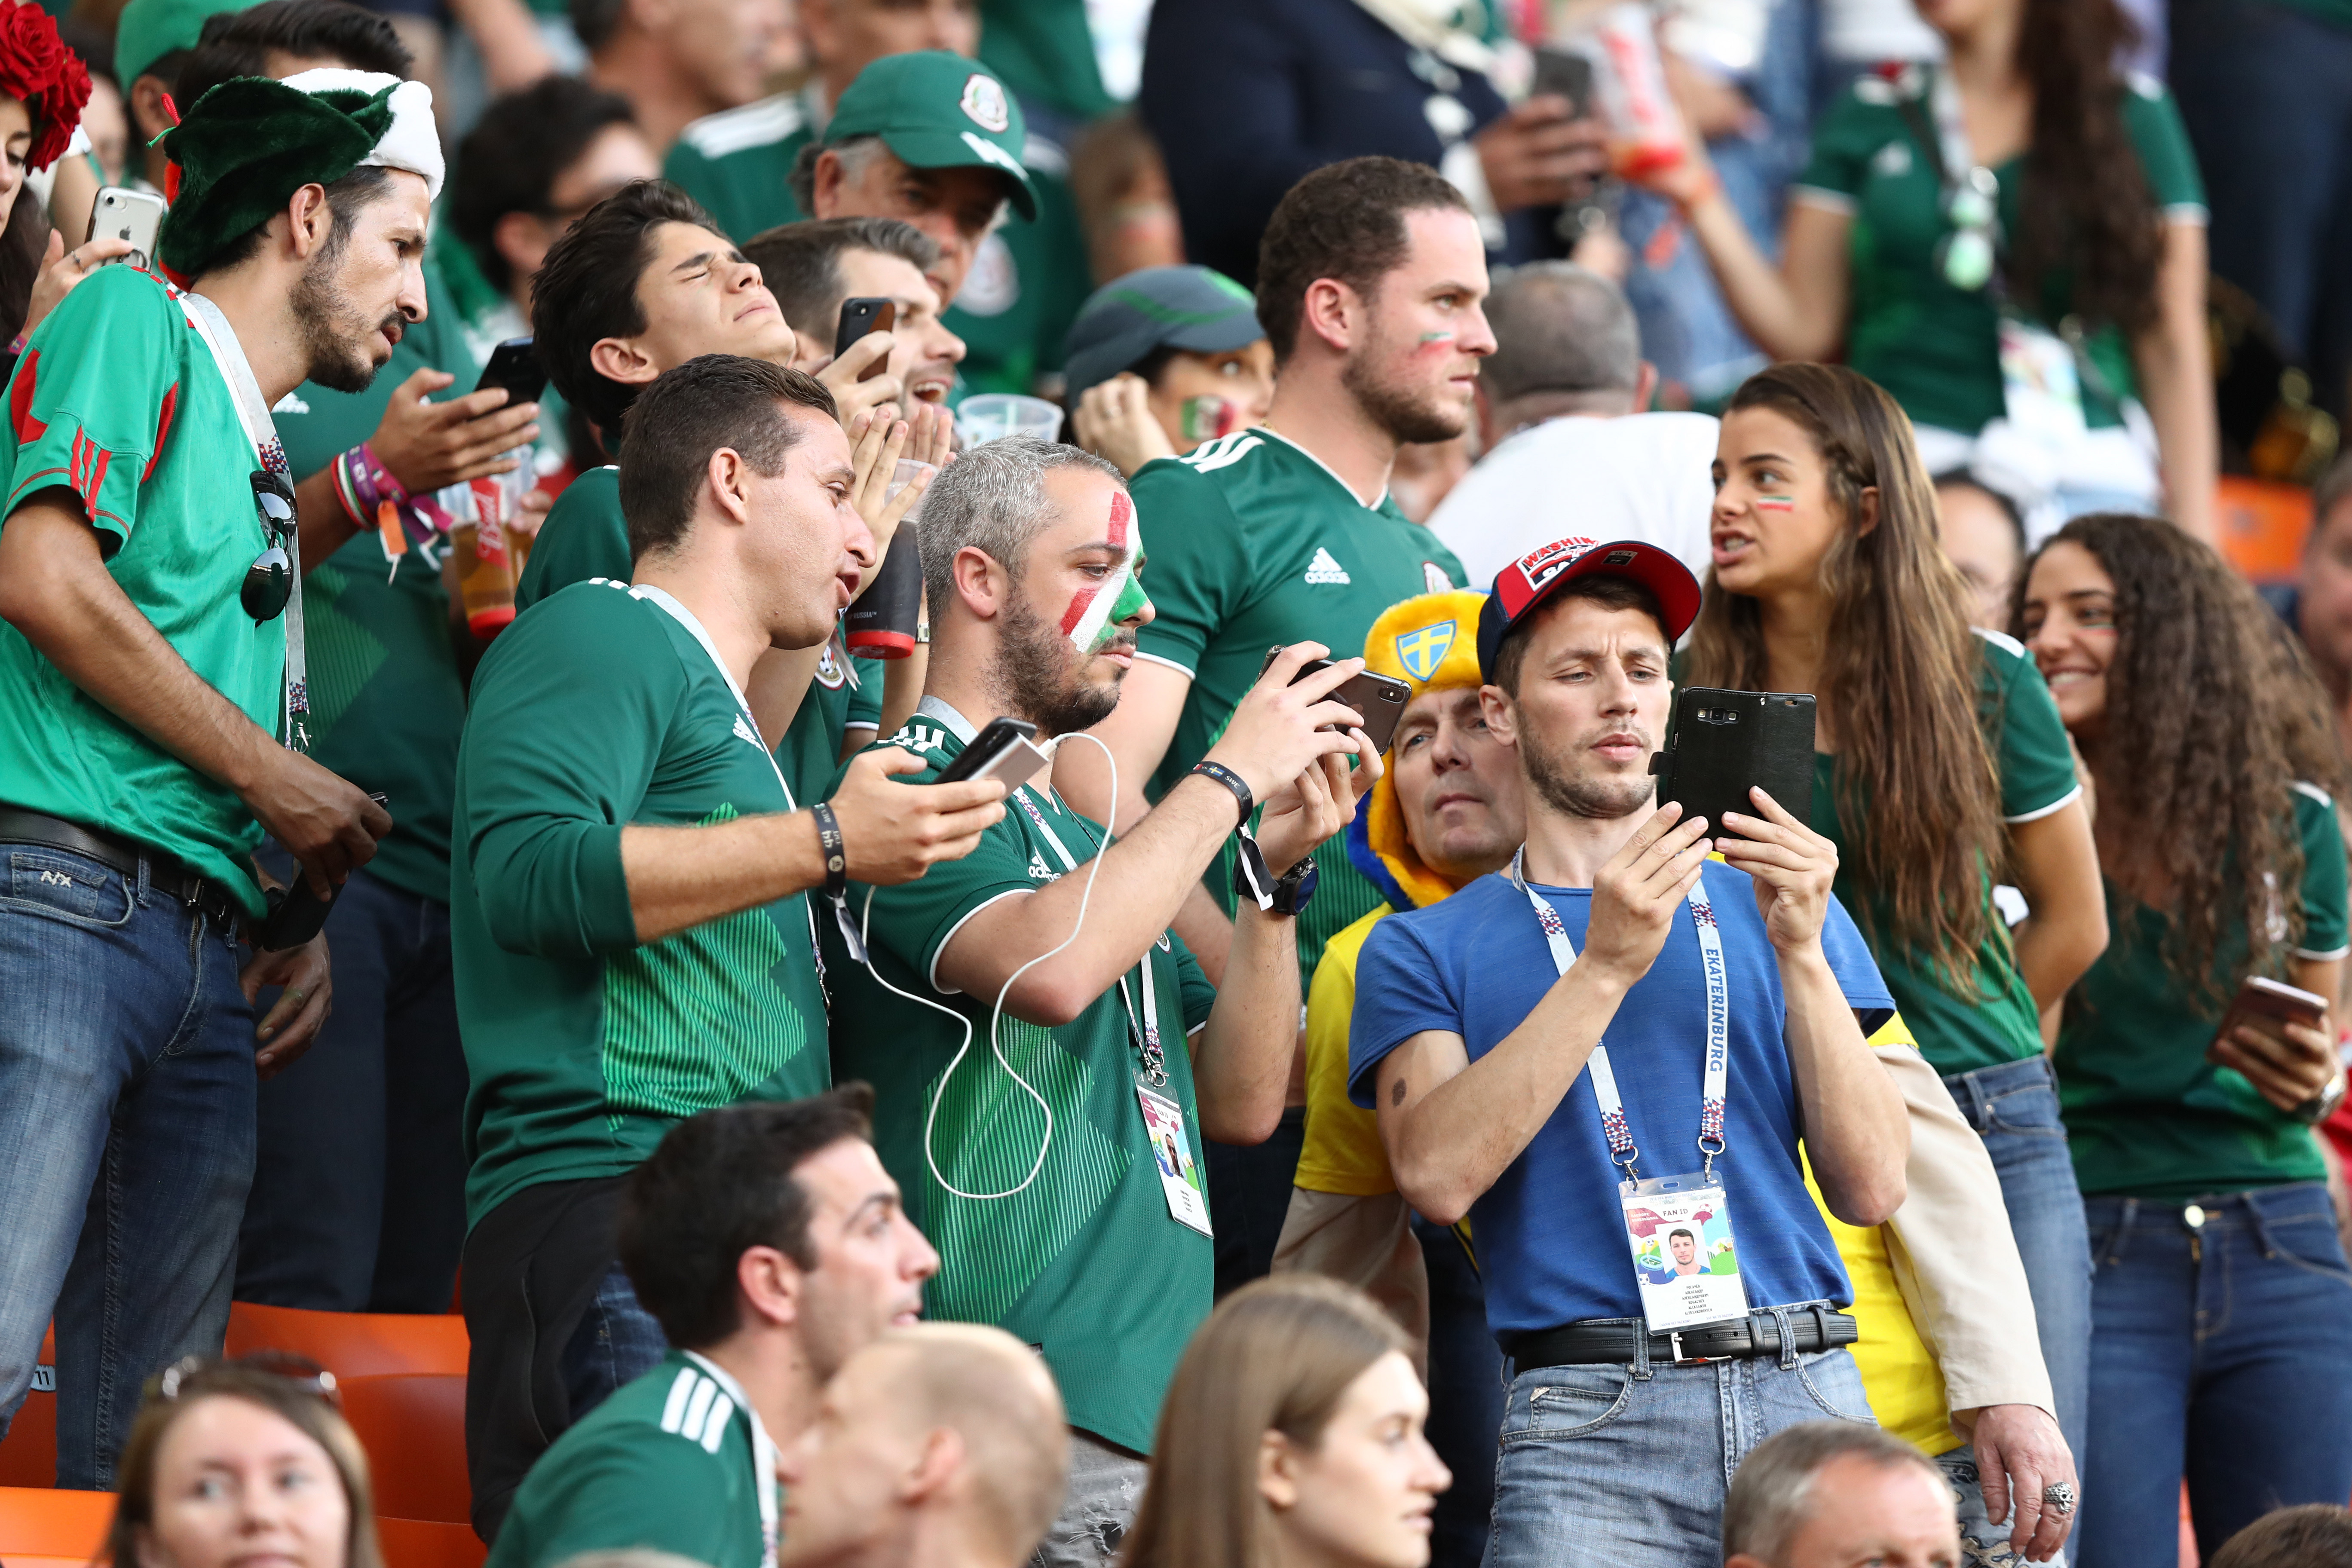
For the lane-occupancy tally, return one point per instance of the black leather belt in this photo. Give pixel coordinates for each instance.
(207, 895)
(1608, 1340)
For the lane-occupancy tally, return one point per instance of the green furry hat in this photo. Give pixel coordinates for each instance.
(248, 145)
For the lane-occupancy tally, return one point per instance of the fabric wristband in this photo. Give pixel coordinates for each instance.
(828, 838)
(1232, 781)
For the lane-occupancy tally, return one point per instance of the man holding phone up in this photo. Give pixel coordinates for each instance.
(1046, 1196)
(153, 715)
(1731, 1031)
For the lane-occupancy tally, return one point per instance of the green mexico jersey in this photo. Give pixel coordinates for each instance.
(1962, 1027)
(1085, 1261)
(1936, 348)
(2145, 1114)
(585, 538)
(1253, 542)
(666, 1464)
(386, 700)
(738, 162)
(598, 710)
(117, 399)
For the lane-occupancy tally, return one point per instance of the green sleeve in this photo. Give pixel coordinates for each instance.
(1200, 997)
(915, 919)
(585, 536)
(636, 1488)
(2326, 928)
(549, 781)
(2030, 747)
(865, 698)
(1843, 141)
(2153, 122)
(1196, 561)
(94, 397)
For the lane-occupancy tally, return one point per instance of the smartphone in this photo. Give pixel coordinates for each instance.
(515, 366)
(1723, 742)
(2265, 1005)
(1381, 698)
(858, 317)
(1568, 75)
(1004, 749)
(121, 213)
(296, 914)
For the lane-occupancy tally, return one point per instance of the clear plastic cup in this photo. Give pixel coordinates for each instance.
(993, 416)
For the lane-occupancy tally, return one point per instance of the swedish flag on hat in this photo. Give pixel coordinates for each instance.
(1431, 643)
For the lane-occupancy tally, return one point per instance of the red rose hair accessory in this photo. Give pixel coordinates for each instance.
(48, 79)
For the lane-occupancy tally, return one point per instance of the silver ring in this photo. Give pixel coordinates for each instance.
(2059, 1498)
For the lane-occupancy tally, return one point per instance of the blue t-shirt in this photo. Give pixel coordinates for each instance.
(1552, 1242)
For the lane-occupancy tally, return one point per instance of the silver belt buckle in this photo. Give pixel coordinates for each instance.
(1674, 1339)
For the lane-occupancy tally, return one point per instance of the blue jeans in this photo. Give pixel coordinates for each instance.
(2218, 1354)
(1466, 1397)
(1628, 1465)
(358, 1191)
(2265, 91)
(126, 1139)
(1984, 1540)
(2014, 1109)
(617, 1342)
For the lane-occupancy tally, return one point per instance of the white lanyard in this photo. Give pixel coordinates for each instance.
(763, 1455)
(1718, 1025)
(1146, 1028)
(1951, 129)
(253, 413)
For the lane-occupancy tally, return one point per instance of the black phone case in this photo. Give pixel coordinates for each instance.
(1381, 698)
(993, 737)
(1723, 741)
(296, 915)
(515, 366)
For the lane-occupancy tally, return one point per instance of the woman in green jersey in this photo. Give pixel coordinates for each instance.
(2219, 1281)
(1940, 767)
(2013, 243)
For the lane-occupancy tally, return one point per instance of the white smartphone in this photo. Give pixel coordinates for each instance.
(121, 213)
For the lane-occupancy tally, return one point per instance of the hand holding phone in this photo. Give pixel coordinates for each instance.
(2258, 1038)
(860, 317)
(515, 366)
(1725, 742)
(1004, 750)
(134, 216)
(1380, 700)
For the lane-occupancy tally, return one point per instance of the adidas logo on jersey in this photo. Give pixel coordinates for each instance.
(1223, 452)
(743, 731)
(1324, 569)
(920, 737)
(697, 1410)
(1039, 871)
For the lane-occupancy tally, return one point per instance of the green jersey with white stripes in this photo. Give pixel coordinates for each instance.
(1254, 542)
(668, 1463)
(600, 709)
(1085, 1260)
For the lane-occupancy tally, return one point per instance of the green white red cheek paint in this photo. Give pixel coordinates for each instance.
(1095, 614)
(1429, 338)
(1776, 503)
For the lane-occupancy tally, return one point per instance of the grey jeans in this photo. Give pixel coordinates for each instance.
(1106, 1483)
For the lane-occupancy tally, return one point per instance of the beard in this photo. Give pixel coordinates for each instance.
(1039, 670)
(1568, 787)
(335, 331)
(1407, 413)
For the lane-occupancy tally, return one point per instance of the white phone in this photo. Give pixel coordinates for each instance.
(121, 213)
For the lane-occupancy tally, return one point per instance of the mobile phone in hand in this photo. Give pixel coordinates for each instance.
(514, 365)
(1564, 74)
(121, 213)
(1380, 699)
(2264, 1004)
(1725, 742)
(858, 317)
(1004, 749)
(298, 915)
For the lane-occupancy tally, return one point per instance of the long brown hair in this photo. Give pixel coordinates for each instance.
(282, 1392)
(2089, 213)
(2208, 722)
(1917, 790)
(1276, 1357)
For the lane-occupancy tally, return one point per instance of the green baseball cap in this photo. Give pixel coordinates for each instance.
(150, 29)
(935, 110)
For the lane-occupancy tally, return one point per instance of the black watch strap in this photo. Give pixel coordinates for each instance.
(836, 863)
(1232, 781)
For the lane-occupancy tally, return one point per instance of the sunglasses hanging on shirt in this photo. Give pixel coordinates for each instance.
(269, 581)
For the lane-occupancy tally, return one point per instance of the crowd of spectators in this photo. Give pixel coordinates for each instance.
(945, 747)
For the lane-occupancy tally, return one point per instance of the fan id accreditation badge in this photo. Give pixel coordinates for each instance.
(1180, 1182)
(1679, 1228)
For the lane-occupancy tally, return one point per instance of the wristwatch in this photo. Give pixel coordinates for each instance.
(2321, 1106)
(1291, 890)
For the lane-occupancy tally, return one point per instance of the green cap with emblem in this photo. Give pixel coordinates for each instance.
(150, 29)
(938, 111)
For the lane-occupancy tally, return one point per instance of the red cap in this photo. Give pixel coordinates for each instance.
(1537, 575)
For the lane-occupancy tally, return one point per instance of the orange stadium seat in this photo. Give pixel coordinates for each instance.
(351, 1344)
(41, 1526)
(2262, 525)
(28, 1457)
(424, 1543)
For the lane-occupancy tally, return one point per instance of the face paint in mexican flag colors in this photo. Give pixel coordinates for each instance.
(1094, 615)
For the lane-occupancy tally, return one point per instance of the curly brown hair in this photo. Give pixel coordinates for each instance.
(1899, 678)
(2090, 214)
(2211, 716)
